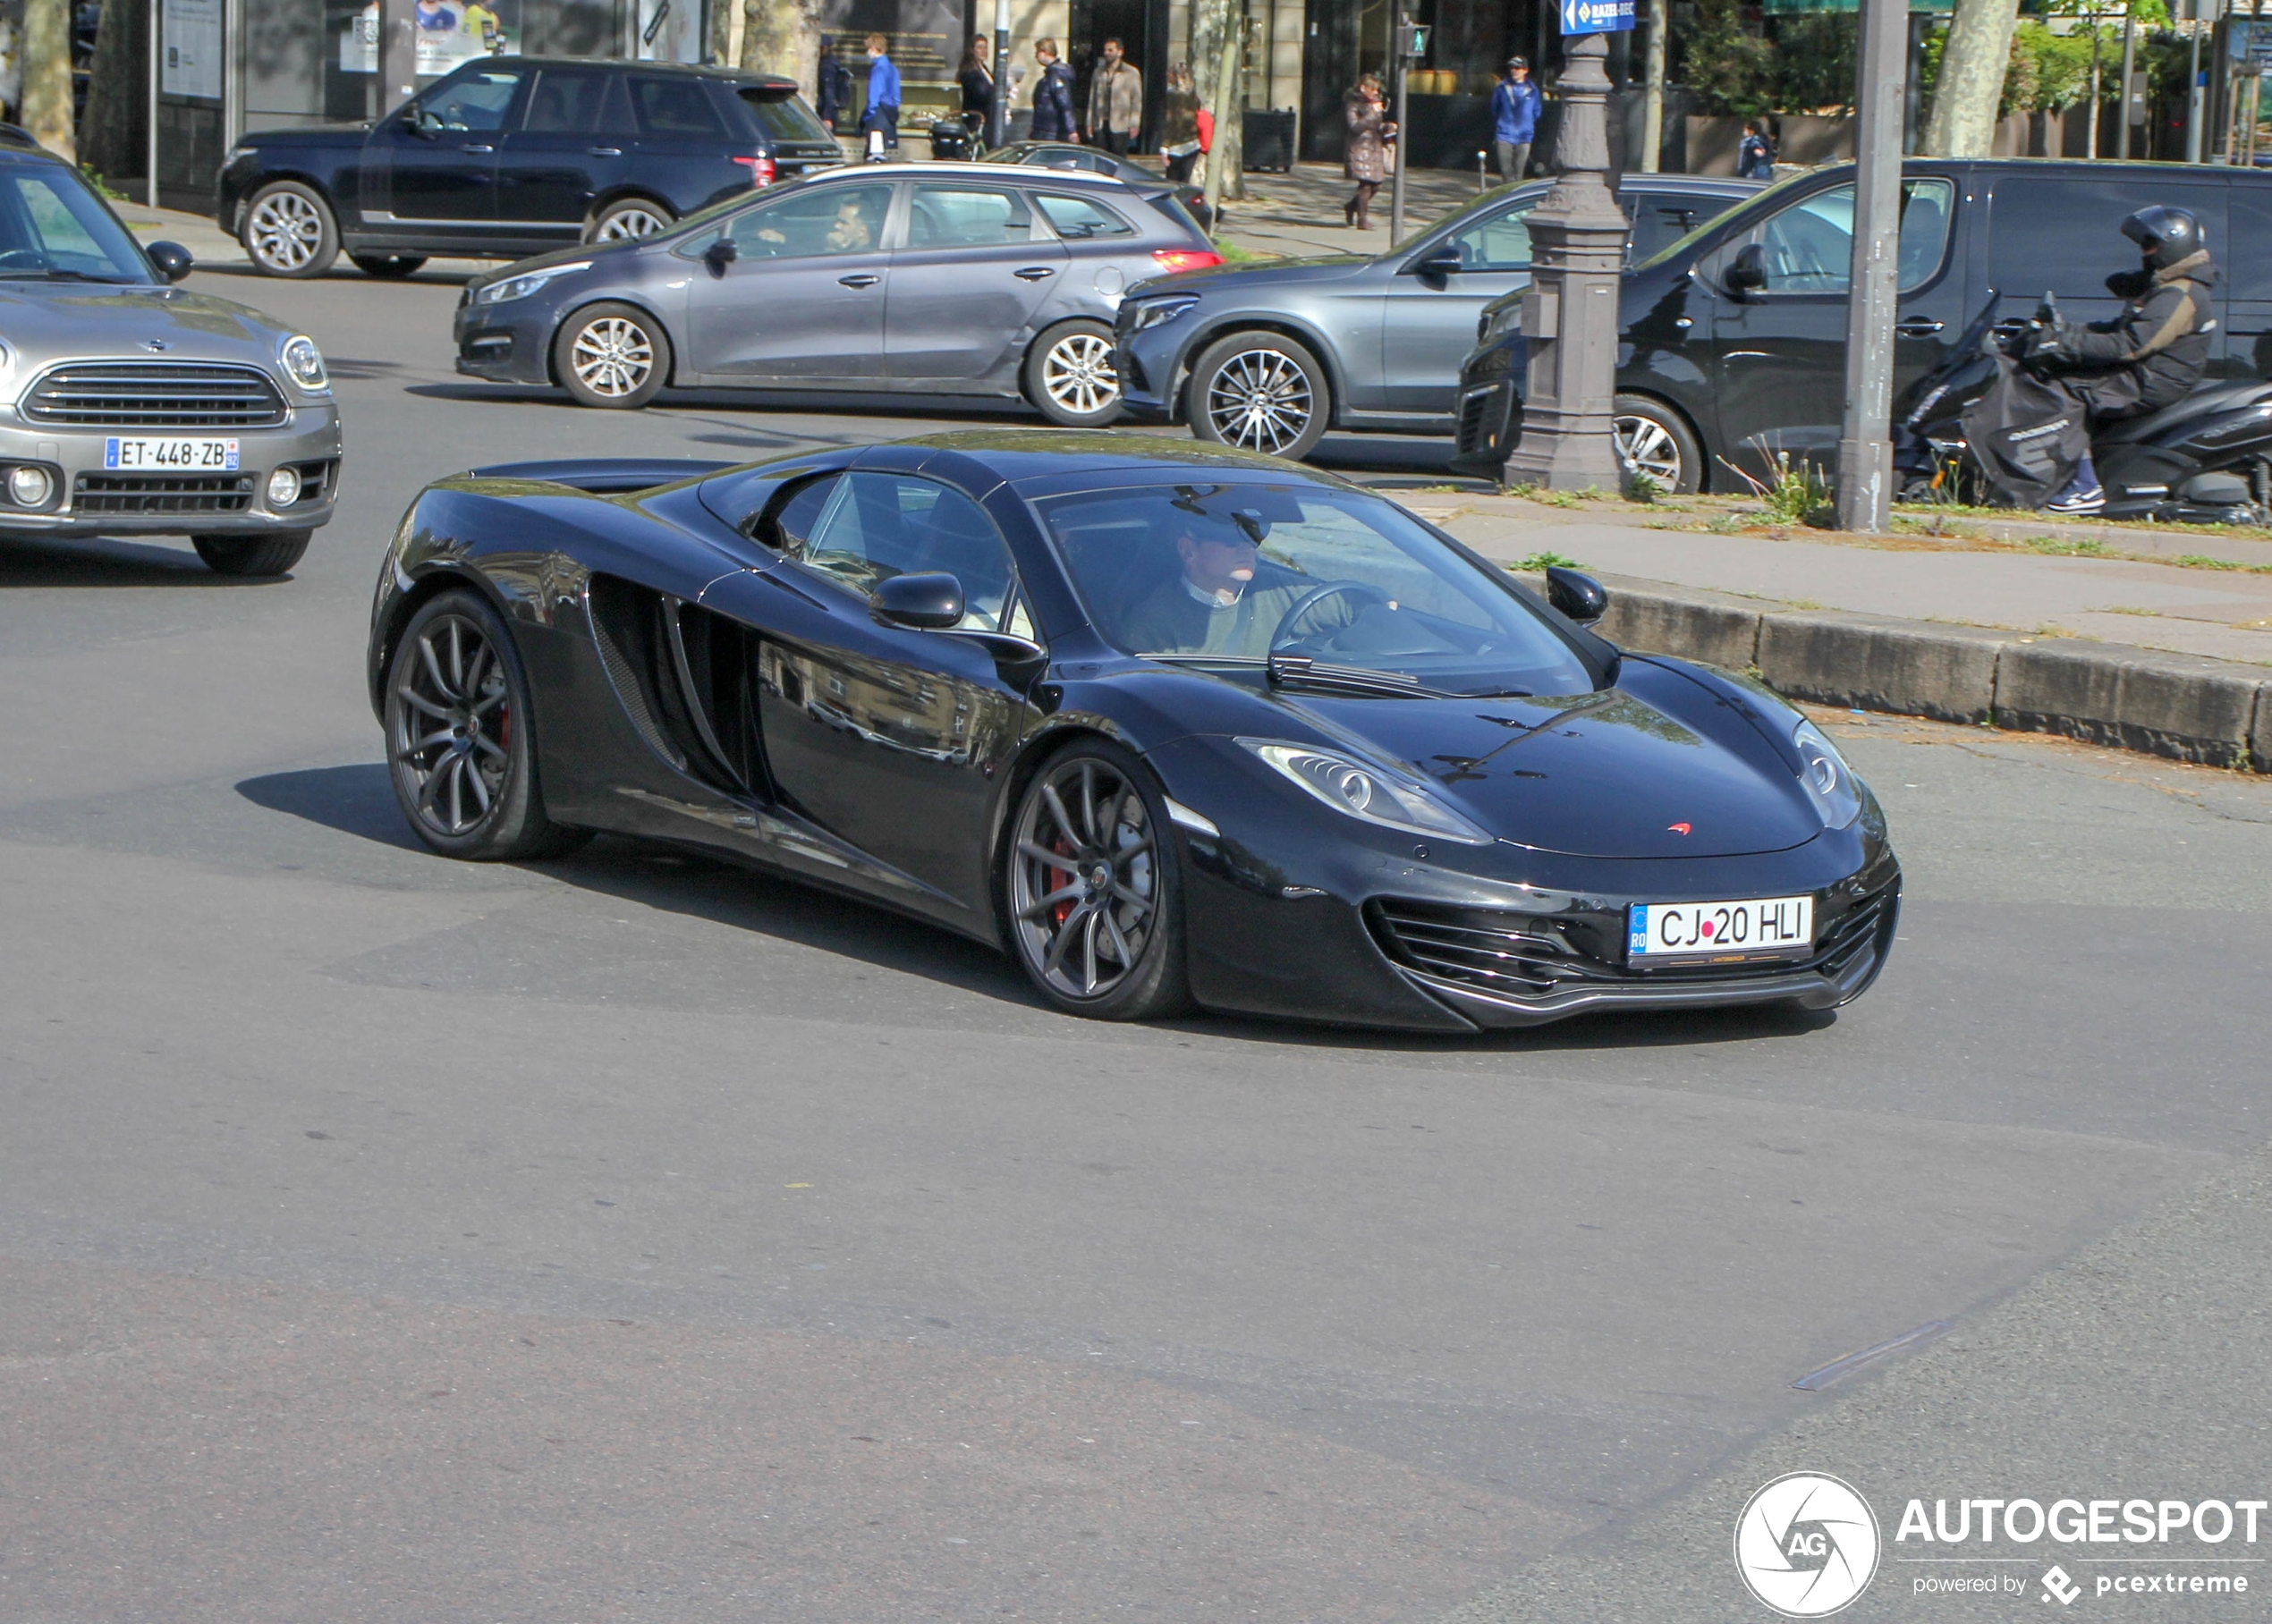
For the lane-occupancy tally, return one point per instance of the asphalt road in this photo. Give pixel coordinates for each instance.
(634, 1237)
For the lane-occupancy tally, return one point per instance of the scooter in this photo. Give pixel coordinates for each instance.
(2204, 459)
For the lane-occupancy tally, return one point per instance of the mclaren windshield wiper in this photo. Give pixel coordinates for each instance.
(1300, 671)
(55, 276)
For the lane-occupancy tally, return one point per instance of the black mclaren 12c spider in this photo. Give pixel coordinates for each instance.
(1169, 724)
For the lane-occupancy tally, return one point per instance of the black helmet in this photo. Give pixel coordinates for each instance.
(2167, 234)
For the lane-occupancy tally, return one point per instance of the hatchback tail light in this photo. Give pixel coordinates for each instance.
(760, 168)
(1185, 258)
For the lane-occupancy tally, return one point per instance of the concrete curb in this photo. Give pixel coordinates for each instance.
(2217, 712)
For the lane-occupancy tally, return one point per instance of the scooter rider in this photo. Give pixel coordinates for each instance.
(2148, 356)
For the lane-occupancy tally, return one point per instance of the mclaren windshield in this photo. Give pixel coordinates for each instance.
(1323, 586)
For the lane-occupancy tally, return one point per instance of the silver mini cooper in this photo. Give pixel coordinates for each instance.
(128, 406)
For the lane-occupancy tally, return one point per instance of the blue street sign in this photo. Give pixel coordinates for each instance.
(1597, 16)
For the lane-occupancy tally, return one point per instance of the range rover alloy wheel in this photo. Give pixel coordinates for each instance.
(1091, 887)
(628, 221)
(612, 355)
(1070, 376)
(289, 231)
(461, 751)
(1260, 392)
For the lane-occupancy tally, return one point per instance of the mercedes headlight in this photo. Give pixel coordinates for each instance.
(1152, 312)
(1368, 792)
(526, 284)
(1497, 324)
(305, 363)
(1829, 781)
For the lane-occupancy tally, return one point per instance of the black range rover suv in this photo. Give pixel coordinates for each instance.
(512, 155)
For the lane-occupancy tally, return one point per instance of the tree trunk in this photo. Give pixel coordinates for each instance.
(114, 142)
(783, 36)
(1961, 123)
(1652, 122)
(1218, 61)
(47, 76)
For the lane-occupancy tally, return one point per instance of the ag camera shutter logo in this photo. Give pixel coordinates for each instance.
(1806, 1546)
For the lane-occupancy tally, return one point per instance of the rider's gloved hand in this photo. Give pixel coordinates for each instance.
(2129, 284)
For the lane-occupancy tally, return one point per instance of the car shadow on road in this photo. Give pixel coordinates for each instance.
(54, 561)
(358, 800)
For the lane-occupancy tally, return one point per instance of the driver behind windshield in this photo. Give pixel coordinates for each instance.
(1226, 598)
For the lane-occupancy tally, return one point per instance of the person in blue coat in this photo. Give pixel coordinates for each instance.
(1052, 96)
(1515, 102)
(1755, 154)
(883, 92)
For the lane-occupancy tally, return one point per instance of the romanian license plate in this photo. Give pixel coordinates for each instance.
(172, 456)
(1776, 928)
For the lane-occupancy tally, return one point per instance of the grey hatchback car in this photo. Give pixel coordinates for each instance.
(134, 407)
(933, 278)
(1270, 357)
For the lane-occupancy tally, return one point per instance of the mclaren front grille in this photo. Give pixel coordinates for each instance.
(166, 494)
(154, 394)
(1528, 956)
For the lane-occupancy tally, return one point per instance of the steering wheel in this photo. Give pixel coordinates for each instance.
(1280, 641)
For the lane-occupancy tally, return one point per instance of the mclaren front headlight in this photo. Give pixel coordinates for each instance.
(1369, 793)
(1829, 783)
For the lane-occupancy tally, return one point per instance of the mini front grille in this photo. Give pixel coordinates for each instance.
(154, 394)
(175, 493)
(1532, 956)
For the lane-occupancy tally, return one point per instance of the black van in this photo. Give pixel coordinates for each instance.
(511, 155)
(1734, 348)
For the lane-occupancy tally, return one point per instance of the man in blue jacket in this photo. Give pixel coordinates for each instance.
(1514, 119)
(1052, 96)
(883, 93)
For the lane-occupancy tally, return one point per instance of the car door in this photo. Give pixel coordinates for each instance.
(802, 301)
(1778, 352)
(439, 158)
(571, 146)
(1428, 317)
(889, 738)
(973, 269)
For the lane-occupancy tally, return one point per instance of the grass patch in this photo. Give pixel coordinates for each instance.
(1546, 561)
(2059, 546)
(2202, 560)
(103, 186)
(1232, 254)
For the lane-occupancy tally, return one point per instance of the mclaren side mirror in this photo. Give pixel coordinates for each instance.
(720, 254)
(1580, 597)
(1747, 273)
(926, 601)
(173, 261)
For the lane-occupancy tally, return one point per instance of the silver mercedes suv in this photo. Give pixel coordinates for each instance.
(129, 406)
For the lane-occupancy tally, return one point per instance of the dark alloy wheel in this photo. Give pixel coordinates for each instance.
(271, 554)
(389, 266)
(1092, 887)
(1260, 392)
(460, 749)
(612, 356)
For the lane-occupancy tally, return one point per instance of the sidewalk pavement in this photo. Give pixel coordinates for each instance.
(1298, 213)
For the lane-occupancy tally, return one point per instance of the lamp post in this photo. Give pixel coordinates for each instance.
(1577, 251)
(1865, 451)
(997, 113)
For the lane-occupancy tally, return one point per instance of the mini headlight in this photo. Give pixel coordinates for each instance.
(31, 486)
(284, 488)
(1828, 781)
(1368, 792)
(526, 284)
(305, 363)
(1152, 312)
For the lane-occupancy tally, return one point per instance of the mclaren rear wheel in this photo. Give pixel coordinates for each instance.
(1092, 890)
(461, 751)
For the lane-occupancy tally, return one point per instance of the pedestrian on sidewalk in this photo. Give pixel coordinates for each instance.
(1370, 130)
(977, 82)
(1515, 102)
(883, 93)
(834, 104)
(1052, 96)
(1755, 153)
(1179, 124)
(1115, 102)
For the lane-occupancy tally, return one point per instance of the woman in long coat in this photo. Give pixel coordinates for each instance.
(1369, 133)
